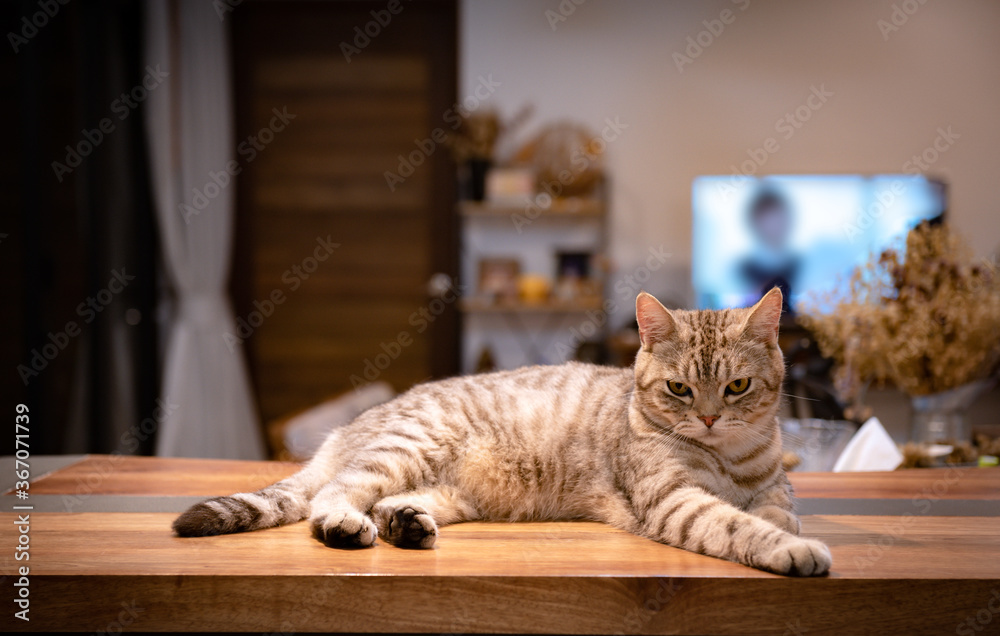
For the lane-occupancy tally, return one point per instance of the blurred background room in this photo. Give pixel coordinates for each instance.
(229, 225)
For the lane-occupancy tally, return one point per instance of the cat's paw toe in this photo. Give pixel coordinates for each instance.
(800, 557)
(350, 530)
(412, 527)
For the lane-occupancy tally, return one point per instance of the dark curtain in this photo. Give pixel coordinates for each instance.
(85, 269)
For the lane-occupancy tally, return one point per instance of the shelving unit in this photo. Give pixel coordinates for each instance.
(559, 208)
(516, 331)
(481, 306)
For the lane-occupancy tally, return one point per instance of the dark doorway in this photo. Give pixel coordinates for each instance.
(354, 87)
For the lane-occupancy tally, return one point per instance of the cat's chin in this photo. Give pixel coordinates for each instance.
(719, 439)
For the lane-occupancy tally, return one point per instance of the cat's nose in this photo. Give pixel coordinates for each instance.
(708, 419)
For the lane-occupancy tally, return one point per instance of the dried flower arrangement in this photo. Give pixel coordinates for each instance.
(476, 134)
(962, 453)
(928, 322)
(475, 137)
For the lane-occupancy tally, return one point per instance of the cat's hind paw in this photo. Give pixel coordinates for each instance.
(798, 557)
(409, 526)
(344, 530)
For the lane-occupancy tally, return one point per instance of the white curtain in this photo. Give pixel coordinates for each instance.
(189, 121)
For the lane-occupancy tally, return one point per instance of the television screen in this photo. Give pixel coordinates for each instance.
(803, 233)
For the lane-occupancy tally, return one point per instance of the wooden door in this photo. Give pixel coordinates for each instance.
(335, 241)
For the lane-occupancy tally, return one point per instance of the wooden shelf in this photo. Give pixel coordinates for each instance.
(485, 306)
(571, 208)
(520, 229)
(915, 571)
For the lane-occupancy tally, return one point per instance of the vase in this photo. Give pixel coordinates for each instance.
(941, 417)
(477, 178)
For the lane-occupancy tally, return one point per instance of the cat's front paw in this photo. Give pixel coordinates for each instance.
(344, 530)
(797, 557)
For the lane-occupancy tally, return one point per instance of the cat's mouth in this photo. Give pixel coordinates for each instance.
(703, 433)
(718, 435)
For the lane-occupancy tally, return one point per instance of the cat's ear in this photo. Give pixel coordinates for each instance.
(655, 322)
(763, 318)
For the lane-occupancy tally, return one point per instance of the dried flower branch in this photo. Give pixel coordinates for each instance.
(927, 323)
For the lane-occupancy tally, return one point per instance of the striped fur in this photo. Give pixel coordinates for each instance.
(572, 441)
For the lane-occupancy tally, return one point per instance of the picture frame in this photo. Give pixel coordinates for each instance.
(498, 278)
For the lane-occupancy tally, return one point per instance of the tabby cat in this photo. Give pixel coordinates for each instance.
(684, 449)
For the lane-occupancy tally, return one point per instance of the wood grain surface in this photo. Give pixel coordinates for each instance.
(915, 573)
(607, 605)
(138, 544)
(939, 483)
(127, 475)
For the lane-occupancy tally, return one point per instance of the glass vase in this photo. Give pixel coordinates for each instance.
(941, 417)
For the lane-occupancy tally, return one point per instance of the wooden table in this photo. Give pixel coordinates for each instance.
(103, 558)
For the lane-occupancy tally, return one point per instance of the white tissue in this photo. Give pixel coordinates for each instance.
(871, 448)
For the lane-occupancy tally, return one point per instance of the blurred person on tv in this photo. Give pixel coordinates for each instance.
(772, 263)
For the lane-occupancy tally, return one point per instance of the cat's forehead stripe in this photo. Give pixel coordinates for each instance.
(701, 349)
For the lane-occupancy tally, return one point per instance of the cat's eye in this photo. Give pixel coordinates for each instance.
(678, 388)
(738, 386)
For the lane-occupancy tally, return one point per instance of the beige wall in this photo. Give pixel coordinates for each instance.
(891, 92)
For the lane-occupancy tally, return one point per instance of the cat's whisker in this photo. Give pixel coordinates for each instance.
(794, 438)
(800, 397)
